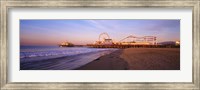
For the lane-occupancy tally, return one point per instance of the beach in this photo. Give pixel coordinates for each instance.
(137, 59)
(111, 61)
(81, 58)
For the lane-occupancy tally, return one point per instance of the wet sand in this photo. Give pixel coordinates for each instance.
(111, 61)
(138, 59)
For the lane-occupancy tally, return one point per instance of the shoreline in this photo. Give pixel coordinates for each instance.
(63, 63)
(137, 59)
(111, 61)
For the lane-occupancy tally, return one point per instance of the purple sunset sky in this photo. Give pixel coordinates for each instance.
(53, 32)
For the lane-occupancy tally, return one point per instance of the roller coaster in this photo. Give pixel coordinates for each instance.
(139, 40)
(104, 39)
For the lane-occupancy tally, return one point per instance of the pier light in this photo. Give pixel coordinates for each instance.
(177, 42)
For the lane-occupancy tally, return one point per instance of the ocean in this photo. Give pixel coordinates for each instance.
(58, 58)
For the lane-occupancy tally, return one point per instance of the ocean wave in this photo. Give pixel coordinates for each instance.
(55, 51)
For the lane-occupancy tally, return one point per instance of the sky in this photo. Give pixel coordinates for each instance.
(81, 32)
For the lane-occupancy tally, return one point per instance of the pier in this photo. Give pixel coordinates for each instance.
(134, 42)
(132, 46)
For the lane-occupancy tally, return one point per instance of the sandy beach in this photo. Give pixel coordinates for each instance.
(138, 59)
(111, 61)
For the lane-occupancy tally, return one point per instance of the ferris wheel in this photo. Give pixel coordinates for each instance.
(103, 36)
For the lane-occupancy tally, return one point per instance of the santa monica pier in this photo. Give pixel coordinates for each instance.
(104, 41)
